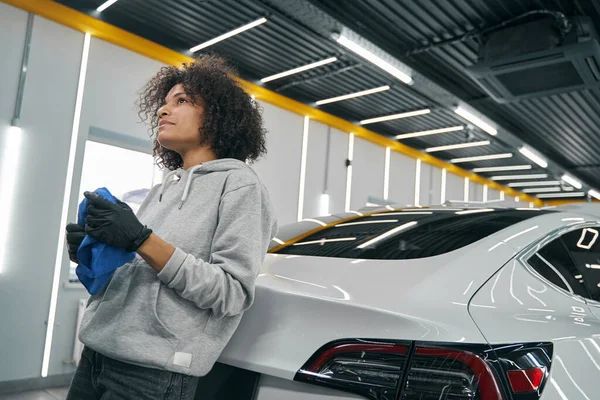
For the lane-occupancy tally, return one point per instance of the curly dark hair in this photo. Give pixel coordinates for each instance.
(232, 126)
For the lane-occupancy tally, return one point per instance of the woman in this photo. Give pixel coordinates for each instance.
(164, 318)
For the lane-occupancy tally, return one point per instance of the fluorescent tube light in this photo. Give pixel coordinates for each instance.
(457, 146)
(503, 168)
(299, 69)
(536, 183)
(229, 34)
(8, 180)
(552, 195)
(353, 95)
(476, 121)
(594, 193)
(105, 5)
(395, 116)
(367, 55)
(430, 132)
(572, 181)
(541, 190)
(517, 177)
(533, 157)
(303, 168)
(481, 158)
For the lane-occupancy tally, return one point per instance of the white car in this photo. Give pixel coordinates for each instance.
(424, 304)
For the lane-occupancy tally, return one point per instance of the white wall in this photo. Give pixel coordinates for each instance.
(46, 119)
(325, 169)
(436, 185)
(402, 179)
(426, 187)
(336, 170)
(368, 165)
(455, 187)
(280, 169)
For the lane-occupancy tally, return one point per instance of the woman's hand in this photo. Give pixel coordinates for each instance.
(114, 224)
(75, 235)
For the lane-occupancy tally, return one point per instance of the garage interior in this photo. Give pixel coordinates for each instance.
(373, 102)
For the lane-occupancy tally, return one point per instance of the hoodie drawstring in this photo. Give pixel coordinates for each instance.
(168, 180)
(188, 183)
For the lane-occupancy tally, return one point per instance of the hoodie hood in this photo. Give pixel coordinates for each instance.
(223, 164)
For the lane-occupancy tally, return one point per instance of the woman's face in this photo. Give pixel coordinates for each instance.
(179, 121)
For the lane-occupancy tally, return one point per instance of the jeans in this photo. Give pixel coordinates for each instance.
(101, 378)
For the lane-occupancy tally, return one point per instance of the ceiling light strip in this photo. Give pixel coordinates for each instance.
(105, 5)
(541, 190)
(533, 157)
(457, 146)
(518, 177)
(572, 181)
(554, 195)
(536, 183)
(298, 70)
(430, 132)
(476, 121)
(369, 56)
(395, 116)
(227, 35)
(502, 168)
(353, 95)
(481, 158)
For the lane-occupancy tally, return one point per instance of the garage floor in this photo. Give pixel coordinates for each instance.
(47, 394)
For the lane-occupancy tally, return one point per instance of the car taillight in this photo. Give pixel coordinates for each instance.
(428, 371)
(441, 373)
(364, 367)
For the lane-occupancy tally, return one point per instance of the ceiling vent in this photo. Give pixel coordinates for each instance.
(534, 59)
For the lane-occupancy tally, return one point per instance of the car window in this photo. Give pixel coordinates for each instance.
(554, 263)
(584, 248)
(406, 235)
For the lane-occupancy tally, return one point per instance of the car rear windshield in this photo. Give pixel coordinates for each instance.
(406, 235)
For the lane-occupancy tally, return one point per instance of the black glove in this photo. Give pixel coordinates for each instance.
(114, 224)
(75, 235)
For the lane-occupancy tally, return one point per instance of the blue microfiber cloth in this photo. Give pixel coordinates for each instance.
(97, 260)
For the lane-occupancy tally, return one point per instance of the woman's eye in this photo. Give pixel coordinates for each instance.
(180, 100)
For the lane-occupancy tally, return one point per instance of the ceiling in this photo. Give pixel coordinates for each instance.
(564, 128)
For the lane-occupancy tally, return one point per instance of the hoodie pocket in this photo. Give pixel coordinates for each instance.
(179, 317)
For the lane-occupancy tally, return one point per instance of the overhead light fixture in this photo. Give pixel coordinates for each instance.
(533, 157)
(481, 158)
(299, 69)
(229, 34)
(395, 116)
(536, 183)
(476, 121)
(594, 193)
(457, 146)
(572, 181)
(430, 132)
(105, 5)
(367, 55)
(553, 195)
(517, 177)
(541, 190)
(503, 168)
(353, 95)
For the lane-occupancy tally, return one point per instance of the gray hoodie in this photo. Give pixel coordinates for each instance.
(219, 217)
